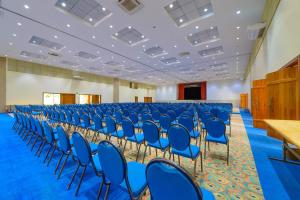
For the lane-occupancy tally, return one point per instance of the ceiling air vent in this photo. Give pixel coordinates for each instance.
(54, 54)
(255, 31)
(86, 56)
(184, 53)
(27, 54)
(130, 6)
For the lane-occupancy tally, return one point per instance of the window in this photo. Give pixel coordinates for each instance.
(51, 98)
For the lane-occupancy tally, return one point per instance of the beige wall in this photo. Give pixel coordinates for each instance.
(2, 84)
(26, 82)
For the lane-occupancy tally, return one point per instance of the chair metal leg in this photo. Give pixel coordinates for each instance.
(48, 153)
(30, 139)
(100, 190)
(195, 165)
(156, 153)
(80, 181)
(58, 163)
(137, 155)
(106, 193)
(63, 166)
(71, 181)
(36, 139)
(125, 146)
(40, 149)
(204, 149)
(201, 162)
(178, 159)
(51, 156)
(173, 157)
(145, 153)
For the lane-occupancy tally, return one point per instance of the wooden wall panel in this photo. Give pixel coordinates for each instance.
(259, 103)
(67, 98)
(95, 99)
(244, 101)
(283, 96)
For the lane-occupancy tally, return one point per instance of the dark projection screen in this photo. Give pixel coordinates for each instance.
(192, 93)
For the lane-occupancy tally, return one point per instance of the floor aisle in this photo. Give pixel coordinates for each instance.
(278, 180)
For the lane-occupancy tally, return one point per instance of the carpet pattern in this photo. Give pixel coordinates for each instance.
(24, 176)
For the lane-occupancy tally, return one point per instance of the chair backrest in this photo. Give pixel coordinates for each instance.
(97, 122)
(83, 149)
(119, 116)
(112, 162)
(63, 139)
(179, 137)
(76, 118)
(146, 117)
(134, 117)
(223, 115)
(187, 122)
(110, 124)
(62, 116)
(215, 128)
(156, 115)
(32, 124)
(86, 120)
(166, 180)
(39, 128)
(151, 132)
(172, 115)
(48, 132)
(68, 116)
(128, 127)
(165, 121)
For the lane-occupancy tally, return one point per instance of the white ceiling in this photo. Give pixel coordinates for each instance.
(44, 20)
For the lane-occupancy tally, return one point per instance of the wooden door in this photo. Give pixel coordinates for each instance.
(95, 99)
(136, 99)
(67, 98)
(259, 103)
(147, 99)
(244, 101)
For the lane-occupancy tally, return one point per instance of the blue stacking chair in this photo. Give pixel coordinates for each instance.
(39, 135)
(225, 117)
(166, 180)
(129, 176)
(172, 115)
(85, 124)
(119, 117)
(156, 116)
(135, 120)
(111, 129)
(97, 126)
(131, 136)
(50, 140)
(180, 143)
(62, 117)
(165, 123)
(216, 132)
(84, 158)
(188, 123)
(153, 139)
(64, 146)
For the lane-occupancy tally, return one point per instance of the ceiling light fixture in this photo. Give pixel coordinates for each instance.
(93, 37)
(55, 36)
(90, 19)
(237, 38)
(197, 27)
(205, 10)
(171, 5)
(26, 6)
(238, 27)
(63, 4)
(175, 46)
(15, 35)
(19, 24)
(68, 25)
(180, 20)
(238, 12)
(129, 27)
(10, 43)
(104, 9)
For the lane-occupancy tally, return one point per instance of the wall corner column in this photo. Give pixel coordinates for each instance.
(116, 90)
(2, 84)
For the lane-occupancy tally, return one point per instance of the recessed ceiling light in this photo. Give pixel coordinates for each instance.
(111, 26)
(237, 38)
(175, 46)
(237, 53)
(19, 24)
(112, 45)
(143, 46)
(142, 36)
(197, 27)
(40, 51)
(207, 46)
(205, 10)
(10, 43)
(63, 4)
(26, 6)
(116, 34)
(69, 51)
(15, 35)
(90, 19)
(93, 37)
(238, 12)
(104, 9)
(68, 25)
(129, 27)
(171, 5)
(238, 27)
(162, 57)
(55, 36)
(138, 57)
(130, 42)
(180, 20)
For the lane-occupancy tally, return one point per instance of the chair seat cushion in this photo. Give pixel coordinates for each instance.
(223, 139)
(138, 125)
(118, 134)
(194, 134)
(136, 178)
(94, 129)
(207, 195)
(139, 138)
(187, 153)
(163, 130)
(163, 141)
(227, 122)
(97, 163)
(93, 146)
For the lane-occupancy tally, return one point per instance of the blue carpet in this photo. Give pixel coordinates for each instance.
(279, 180)
(24, 176)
